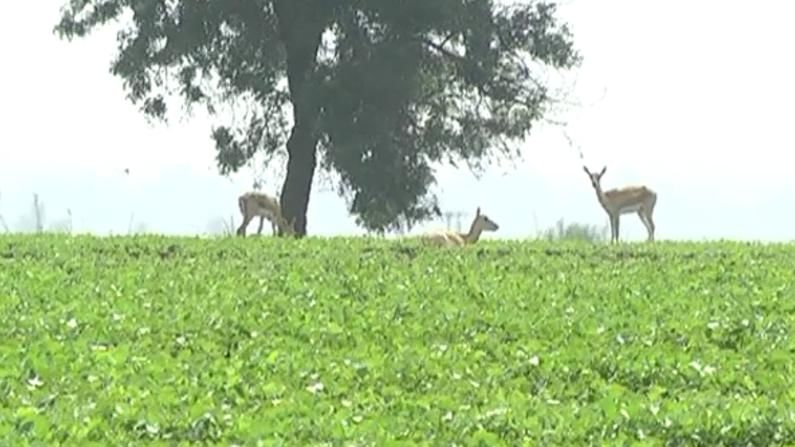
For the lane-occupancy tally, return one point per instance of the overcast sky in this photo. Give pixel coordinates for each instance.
(693, 99)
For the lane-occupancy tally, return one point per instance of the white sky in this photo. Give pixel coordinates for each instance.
(691, 98)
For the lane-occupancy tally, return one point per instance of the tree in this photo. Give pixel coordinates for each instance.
(34, 222)
(373, 91)
(63, 225)
(575, 232)
(38, 213)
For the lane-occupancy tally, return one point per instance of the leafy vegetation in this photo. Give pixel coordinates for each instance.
(378, 342)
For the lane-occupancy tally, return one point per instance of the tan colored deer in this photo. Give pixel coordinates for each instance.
(258, 204)
(629, 199)
(449, 238)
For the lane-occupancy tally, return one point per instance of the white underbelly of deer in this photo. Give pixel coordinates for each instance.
(630, 209)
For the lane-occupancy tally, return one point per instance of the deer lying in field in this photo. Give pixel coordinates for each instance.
(258, 204)
(449, 238)
(629, 199)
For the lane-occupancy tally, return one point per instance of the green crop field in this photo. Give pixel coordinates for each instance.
(268, 341)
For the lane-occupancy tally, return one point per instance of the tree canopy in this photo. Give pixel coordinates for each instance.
(375, 91)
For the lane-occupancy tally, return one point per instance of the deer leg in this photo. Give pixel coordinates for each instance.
(274, 228)
(261, 222)
(612, 228)
(616, 224)
(241, 231)
(646, 218)
(652, 228)
(643, 220)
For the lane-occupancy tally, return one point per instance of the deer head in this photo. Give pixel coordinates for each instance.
(287, 227)
(596, 178)
(483, 223)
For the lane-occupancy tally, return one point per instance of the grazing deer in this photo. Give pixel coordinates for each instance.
(629, 199)
(450, 238)
(253, 204)
(288, 228)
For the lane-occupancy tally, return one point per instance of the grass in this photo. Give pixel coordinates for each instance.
(264, 341)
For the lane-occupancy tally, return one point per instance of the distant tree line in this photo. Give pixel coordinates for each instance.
(575, 232)
(35, 222)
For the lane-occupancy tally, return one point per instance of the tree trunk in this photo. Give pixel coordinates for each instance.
(301, 25)
(298, 183)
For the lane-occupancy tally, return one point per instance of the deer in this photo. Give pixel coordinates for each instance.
(254, 204)
(449, 238)
(629, 199)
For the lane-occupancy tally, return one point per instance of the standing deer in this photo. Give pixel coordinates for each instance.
(629, 199)
(451, 238)
(253, 204)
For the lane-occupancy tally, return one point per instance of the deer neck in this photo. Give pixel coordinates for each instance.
(474, 233)
(600, 195)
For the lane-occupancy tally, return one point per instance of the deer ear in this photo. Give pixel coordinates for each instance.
(477, 212)
(603, 171)
(586, 170)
